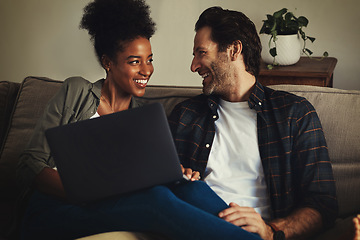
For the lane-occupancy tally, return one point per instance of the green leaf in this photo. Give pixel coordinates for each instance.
(263, 29)
(308, 51)
(269, 66)
(292, 27)
(270, 17)
(312, 39)
(289, 16)
(279, 13)
(303, 21)
(273, 52)
(325, 54)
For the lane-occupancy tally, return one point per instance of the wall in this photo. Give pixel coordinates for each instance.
(42, 38)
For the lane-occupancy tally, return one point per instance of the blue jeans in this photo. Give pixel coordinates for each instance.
(183, 211)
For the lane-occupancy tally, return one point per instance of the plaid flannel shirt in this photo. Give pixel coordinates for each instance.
(291, 141)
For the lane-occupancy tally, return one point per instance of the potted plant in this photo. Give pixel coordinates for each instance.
(280, 35)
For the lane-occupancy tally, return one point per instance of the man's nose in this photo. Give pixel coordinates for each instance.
(195, 65)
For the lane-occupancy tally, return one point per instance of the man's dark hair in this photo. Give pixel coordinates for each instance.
(229, 26)
(113, 23)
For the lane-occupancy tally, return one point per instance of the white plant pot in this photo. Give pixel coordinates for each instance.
(288, 48)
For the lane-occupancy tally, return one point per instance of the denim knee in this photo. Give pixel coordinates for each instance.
(160, 196)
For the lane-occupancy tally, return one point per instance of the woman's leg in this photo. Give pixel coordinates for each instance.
(200, 195)
(159, 210)
(155, 210)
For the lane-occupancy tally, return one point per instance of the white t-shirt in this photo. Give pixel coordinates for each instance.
(234, 170)
(96, 115)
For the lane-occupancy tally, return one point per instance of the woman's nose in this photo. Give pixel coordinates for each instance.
(146, 69)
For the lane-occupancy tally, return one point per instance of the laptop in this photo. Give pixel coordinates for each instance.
(115, 154)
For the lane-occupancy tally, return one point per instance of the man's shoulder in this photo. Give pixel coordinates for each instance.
(286, 103)
(273, 93)
(190, 109)
(279, 97)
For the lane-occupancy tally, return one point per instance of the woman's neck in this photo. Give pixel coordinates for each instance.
(113, 99)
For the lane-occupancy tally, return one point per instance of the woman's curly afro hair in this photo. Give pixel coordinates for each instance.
(112, 23)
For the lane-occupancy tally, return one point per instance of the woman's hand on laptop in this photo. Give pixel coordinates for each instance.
(192, 175)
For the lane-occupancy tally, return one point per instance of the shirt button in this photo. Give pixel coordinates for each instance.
(259, 103)
(214, 116)
(207, 145)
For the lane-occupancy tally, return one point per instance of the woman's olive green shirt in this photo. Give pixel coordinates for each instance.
(78, 99)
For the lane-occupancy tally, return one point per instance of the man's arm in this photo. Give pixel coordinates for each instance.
(300, 224)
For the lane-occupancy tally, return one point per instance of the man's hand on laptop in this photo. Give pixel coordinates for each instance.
(190, 174)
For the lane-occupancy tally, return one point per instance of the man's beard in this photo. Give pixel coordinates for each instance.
(221, 72)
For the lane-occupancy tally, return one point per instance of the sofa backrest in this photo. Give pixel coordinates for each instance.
(168, 96)
(338, 111)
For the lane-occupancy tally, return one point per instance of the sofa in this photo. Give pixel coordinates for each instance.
(21, 104)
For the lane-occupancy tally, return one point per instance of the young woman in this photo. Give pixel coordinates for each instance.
(120, 30)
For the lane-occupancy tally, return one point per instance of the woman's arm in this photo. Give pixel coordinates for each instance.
(48, 181)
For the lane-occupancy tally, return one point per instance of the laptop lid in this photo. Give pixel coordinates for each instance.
(114, 154)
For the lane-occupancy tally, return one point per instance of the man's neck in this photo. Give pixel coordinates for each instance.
(241, 90)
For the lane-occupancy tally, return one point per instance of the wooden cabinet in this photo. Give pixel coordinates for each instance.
(307, 71)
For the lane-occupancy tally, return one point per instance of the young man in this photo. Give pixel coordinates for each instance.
(262, 151)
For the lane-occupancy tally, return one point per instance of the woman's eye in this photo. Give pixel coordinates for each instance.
(134, 62)
(202, 52)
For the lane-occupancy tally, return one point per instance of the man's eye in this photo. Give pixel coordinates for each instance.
(150, 60)
(202, 52)
(134, 62)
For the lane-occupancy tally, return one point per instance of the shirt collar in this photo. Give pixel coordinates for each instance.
(213, 103)
(257, 95)
(96, 87)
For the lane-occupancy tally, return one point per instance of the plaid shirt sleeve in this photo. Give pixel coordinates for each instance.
(317, 185)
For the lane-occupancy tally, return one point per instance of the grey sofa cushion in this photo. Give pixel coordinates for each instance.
(339, 114)
(29, 106)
